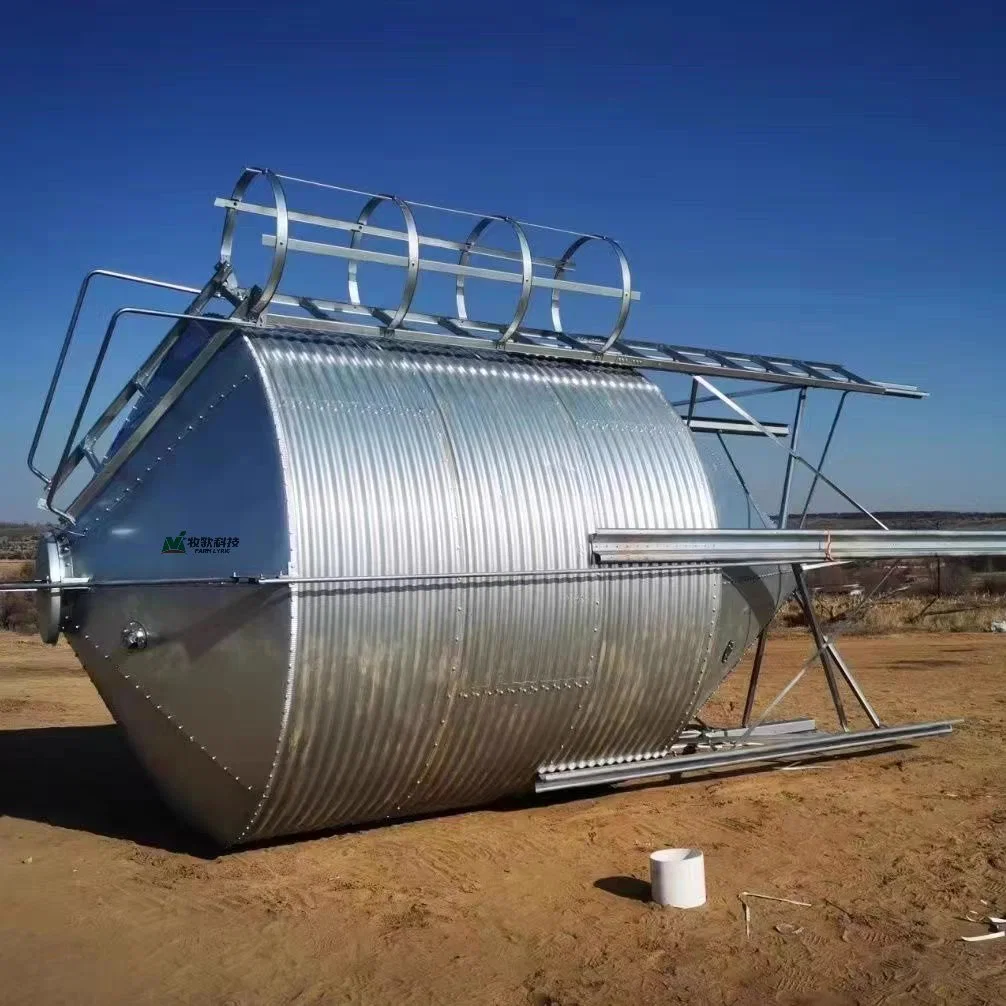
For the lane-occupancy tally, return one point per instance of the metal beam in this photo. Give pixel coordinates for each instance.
(806, 726)
(786, 546)
(854, 686)
(823, 458)
(737, 427)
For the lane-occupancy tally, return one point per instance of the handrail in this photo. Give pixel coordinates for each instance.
(68, 338)
(138, 382)
(64, 468)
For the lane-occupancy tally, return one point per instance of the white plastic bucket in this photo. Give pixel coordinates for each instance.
(678, 877)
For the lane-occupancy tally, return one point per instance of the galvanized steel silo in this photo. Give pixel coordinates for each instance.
(337, 573)
(267, 710)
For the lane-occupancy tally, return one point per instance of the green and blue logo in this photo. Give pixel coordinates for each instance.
(174, 546)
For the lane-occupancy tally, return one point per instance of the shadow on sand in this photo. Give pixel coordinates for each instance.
(625, 887)
(87, 779)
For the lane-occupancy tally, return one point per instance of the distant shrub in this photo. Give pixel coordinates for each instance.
(17, 611)
(992, 583)
(964, 612)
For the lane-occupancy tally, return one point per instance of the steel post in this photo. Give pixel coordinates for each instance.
(787, 481)
(824, 457)
(755, 675)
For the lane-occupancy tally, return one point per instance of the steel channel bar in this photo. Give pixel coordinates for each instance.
(787, 750)
(452, 268)
(391, 579)
(704, 399)
(612, 358)
(777, 728)
(62, 470)
(734, 427)
(787, 545)
(225, 329)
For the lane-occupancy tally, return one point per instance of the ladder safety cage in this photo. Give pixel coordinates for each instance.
(252, 306)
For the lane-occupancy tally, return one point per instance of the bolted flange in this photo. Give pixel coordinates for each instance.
(52, 563)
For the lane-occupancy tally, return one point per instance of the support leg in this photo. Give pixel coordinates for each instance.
(853, 684)
(821, 642)
(755, 674)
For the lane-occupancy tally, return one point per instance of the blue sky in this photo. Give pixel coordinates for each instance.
(785, 179)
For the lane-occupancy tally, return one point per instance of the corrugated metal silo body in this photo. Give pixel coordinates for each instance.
(265, 711)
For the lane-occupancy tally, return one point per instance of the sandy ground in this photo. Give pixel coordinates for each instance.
(104, 899)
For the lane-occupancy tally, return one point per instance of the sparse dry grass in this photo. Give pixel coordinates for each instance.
(967, 612)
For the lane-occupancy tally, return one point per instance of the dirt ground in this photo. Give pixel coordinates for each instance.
(105, 899)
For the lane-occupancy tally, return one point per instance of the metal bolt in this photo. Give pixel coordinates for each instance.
(134, 636)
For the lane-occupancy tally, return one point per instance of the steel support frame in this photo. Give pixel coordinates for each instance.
(825, 649)
(783, 520)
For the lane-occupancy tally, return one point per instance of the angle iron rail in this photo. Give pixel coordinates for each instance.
(391, 580)
(794, 442)
(823, 458)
